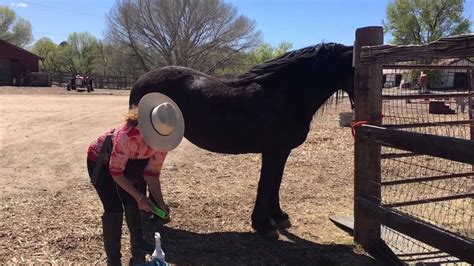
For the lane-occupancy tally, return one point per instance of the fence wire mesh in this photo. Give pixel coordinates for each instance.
(412, 251)
(434, 190)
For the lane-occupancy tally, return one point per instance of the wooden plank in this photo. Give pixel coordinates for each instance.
(454, 149)
(424, 67)
(394, 155)
(429, 124)
(344, 223)
(368, 102)
(432, 235)
(416, 95)
(410, 180)
(445, 48)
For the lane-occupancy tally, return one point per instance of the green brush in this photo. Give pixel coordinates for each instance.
(159, 212)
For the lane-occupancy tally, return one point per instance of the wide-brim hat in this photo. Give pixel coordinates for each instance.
(160, 121)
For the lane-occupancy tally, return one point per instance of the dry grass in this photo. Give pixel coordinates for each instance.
(49, 213)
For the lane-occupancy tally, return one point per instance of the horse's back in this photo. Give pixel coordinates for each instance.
(222, 116)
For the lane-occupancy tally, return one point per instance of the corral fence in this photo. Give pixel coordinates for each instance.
(100, 81)
(414, 150)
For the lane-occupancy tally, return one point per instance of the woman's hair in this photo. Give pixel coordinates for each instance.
(132, 116)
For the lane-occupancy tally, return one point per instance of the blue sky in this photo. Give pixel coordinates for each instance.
(301, 22)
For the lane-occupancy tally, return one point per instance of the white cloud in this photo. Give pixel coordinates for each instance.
(20, 4)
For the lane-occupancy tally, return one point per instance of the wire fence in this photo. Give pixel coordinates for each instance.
(61, 79)
(430, 189)
(412, 251)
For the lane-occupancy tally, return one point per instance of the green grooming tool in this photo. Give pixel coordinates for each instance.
(159, 212)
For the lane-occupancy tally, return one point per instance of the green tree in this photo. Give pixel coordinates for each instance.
(78, 53)
(244, 61)
(14, 30)
(266, 52)
(424, 21)
(47, 50)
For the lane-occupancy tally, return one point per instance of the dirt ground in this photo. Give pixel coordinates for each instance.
(50, 213)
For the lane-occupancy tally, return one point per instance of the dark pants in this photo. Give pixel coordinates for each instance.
(115, 201)
(113, 197)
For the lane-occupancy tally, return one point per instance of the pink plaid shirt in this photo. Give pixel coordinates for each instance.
(127, 144)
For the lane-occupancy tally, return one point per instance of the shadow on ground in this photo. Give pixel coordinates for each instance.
(224, 248)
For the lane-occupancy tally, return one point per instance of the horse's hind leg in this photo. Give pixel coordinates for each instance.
(269, 184)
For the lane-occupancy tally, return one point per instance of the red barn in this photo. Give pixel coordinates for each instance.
(15, 64)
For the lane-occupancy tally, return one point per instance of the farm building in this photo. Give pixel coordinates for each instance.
(453, 78)
(449, 74)
(16, 64)
(393, 77)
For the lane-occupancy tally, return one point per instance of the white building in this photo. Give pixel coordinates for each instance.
(453, 78)
(439, 78)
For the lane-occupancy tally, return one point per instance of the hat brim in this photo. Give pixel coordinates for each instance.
(155, 140)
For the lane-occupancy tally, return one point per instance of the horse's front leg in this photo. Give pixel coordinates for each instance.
(279, 217)
(265, 208)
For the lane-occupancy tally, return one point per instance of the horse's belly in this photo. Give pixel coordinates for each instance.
(225, 143)
(244, 139)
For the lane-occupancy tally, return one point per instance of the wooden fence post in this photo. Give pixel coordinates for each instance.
(368, 102)
(100, 81)
(470, 103)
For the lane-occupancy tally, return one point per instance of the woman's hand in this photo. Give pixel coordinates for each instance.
(145, 204)
(166, 208)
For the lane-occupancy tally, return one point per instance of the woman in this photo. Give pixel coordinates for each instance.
(131, 156)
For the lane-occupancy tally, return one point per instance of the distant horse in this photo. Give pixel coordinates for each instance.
(267, 110)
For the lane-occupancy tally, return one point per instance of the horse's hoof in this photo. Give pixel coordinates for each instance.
(283, 224)
(266, 230)
(268, 234)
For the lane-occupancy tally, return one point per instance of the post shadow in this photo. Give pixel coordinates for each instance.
(246, 248)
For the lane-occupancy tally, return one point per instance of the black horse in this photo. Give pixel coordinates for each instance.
(267, 110)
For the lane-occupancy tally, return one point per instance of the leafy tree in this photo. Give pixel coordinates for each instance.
(47, 50)
(205, 35)
(78, 53)
(14, 30)
(423, 21)
(266, 52)
(257, 56)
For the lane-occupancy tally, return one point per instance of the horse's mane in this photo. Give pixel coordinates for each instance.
(268, 68)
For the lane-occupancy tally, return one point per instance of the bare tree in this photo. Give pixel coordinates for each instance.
(110, 61)
(201, 34)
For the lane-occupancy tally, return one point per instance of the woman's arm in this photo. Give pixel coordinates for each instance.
(152, 178)
(154, 186)
(141, 199)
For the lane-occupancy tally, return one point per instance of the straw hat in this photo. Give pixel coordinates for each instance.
(160, 121)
